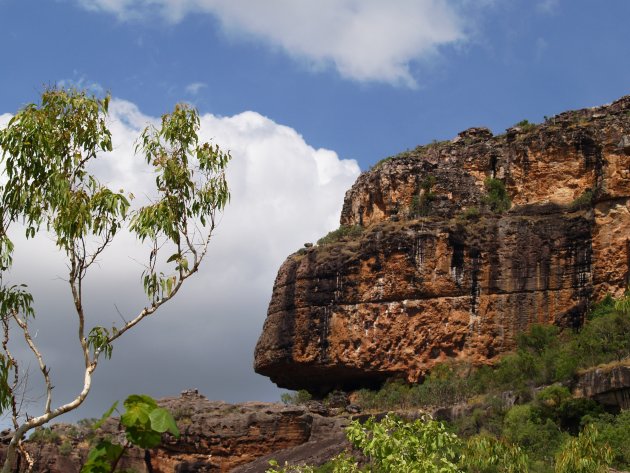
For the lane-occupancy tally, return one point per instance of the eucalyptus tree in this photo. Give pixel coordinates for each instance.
(47, 187)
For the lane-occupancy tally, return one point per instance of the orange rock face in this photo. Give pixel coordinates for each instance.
(435, 274)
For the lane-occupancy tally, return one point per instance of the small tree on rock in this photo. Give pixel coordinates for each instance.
(46, 150)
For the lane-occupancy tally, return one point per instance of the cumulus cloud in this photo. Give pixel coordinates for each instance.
(365, 40)
(195, 87)
(284, 193)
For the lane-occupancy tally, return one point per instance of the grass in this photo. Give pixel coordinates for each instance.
(344, 231)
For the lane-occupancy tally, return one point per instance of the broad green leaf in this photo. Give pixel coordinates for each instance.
(163, 421)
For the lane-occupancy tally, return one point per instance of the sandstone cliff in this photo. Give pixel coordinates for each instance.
(432, 273)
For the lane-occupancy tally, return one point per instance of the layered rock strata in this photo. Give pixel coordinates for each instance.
(432, 273)
(215, 437)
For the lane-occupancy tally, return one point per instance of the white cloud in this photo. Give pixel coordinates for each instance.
(548, 6)
(195, 87)
(365, 40)
(284, 193)
(79, 81)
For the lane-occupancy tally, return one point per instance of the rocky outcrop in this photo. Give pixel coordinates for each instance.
(215, 437)
(432, 273)
(609, 386)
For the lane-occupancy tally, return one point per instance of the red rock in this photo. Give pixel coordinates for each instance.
(411, 292)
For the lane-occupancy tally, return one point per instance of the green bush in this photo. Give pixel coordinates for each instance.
(584, 454)
(497, 198)
(421, 202)
(297, 397)
(539, 437)
(397, 446)
(604, 307)
(614, 431)
(526, 125)
(585, 200)
(344, 231)
(604, 339)
(471, 213)
(65, 448)
(487, 454)
(43, 435)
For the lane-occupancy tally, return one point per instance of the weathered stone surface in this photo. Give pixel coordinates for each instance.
(410, 292)
(215, 437)
(608, 386)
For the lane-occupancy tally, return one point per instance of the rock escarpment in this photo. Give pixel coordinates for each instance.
(431, 273)
(215, 437)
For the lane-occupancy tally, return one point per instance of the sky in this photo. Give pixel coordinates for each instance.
(305, 95)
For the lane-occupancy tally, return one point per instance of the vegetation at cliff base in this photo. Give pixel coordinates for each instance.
(296, 398)
(519, 416)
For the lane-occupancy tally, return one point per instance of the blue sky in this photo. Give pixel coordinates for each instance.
(305, 95)
(514, 59)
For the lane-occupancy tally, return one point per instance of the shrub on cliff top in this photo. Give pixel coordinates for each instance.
(526, 125)
(344, 231)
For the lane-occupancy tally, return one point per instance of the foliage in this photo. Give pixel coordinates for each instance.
(471, 213)
(397, 446)
(44, 435)
(623, 304)
(526, 125)
(144, 423)
(584, 201)
(421, 202)
(87, 423)
(535, 434)
(65, 448)
(379, 163)
(614, 431)
(342, 463)
(297, 397)
(486, 454)
(529, 443)
(604, 339)
(546, 420)
(544, 355)
(497, 198)
(584, 454)
(344, 231)
(47, 151)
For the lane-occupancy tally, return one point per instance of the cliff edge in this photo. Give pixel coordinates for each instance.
(452, 249)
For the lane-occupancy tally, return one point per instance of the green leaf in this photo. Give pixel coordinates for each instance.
(136, 415)
(163, 421)
(135, 399)
(102, 457)
(105, 416)
(144, 438)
